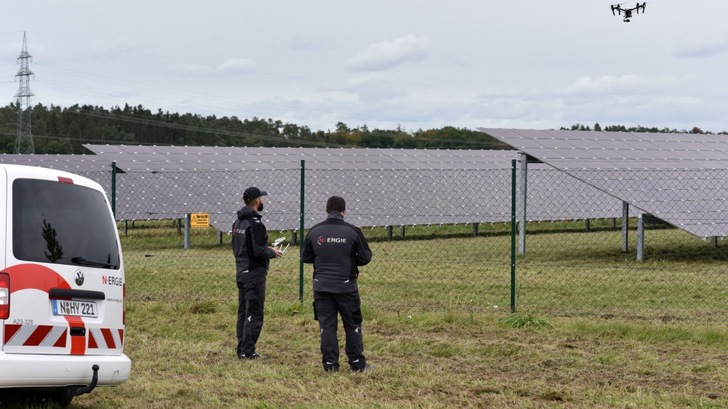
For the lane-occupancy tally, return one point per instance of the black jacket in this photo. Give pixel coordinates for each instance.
(250, 245)
(336, 249)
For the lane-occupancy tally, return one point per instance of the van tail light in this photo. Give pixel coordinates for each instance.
(4, 296)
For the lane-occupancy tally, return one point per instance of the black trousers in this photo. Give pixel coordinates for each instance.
(327, 307)
(251, 300)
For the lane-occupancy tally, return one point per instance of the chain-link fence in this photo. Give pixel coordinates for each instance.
(632, 266)
(442, 241)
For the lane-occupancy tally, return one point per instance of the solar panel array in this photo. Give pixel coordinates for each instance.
(680, 178)
(166, 158)
(383, 187)
(212, 179)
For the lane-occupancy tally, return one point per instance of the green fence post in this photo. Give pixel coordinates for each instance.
(300, 231)
(113, 188)
(513, 236)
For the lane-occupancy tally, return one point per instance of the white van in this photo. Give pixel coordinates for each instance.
(62, 286)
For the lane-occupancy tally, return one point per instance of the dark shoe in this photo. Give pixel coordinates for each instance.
(331, 368)
(366, 368)
(252, 356)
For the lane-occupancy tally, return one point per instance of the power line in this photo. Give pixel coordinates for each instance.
(193, 128)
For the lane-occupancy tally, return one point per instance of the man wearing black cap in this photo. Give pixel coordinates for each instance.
(336, 249)
(252, 258)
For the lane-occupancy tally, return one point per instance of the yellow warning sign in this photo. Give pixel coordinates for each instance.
(200, 220)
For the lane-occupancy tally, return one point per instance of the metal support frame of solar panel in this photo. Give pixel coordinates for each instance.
(422, 197)
(675, 177)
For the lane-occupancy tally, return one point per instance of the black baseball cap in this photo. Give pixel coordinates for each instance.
(252, 193)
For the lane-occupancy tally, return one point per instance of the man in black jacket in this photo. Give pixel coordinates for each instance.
(336, 249)
(252, 258)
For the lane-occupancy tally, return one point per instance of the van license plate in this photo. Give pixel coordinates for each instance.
(75, 308)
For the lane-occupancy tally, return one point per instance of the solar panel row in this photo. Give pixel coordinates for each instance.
(680, 178)
(241, 158)
(382, 186)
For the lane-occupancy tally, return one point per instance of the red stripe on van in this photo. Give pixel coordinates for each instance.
(78, 343)
(10, 330)
(34, 276)
(37, 277)
(92, 341)
(36, 338)
(107, 334)
(61, 341)
(38, 335)
(108, 338)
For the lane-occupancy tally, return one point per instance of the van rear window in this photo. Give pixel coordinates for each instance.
(63, 223)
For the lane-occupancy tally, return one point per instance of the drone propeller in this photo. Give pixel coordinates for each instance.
(618, 8)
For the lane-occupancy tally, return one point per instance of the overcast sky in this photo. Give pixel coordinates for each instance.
(382, 63)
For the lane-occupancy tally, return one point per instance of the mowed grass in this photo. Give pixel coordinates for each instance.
(595, 328)
(439, 269)
(184, 357)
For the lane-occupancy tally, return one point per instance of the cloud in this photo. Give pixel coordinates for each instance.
(610, 85)
(230, 67)
(705, 50)
(9, 51)
(373, 87)
(114, 48)
(308, 44)
(389, 54)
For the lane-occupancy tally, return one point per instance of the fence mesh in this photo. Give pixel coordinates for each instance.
(441, 241)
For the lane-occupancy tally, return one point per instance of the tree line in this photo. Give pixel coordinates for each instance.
(622, 128)
(58, 130)
(64, 130)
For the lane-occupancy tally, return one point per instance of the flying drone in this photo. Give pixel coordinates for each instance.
(628, 12)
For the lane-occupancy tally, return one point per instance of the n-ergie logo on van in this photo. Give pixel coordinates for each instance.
(108, 280)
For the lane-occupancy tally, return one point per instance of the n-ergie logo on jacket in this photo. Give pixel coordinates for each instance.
(337, 240)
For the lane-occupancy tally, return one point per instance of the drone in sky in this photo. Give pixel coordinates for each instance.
(628, 11)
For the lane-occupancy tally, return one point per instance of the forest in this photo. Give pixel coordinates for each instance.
(64, 130)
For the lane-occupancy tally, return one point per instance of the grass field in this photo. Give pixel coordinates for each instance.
(184, 358)
(594, 329)
(565, 272)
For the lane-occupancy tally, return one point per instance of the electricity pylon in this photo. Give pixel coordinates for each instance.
(24, 140)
